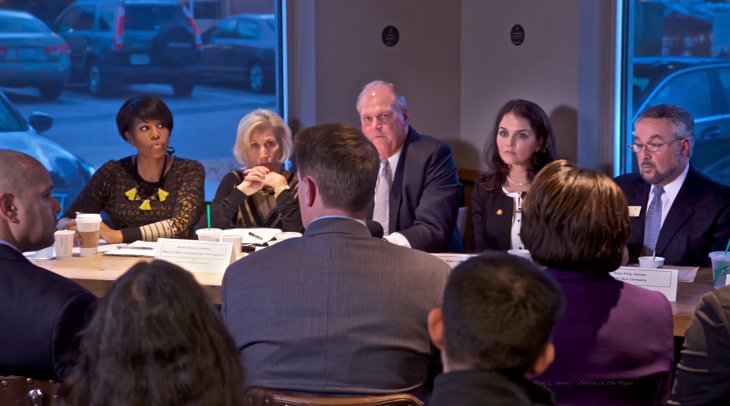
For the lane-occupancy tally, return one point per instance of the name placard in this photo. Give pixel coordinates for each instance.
(454, 259)
(196, 256)
(663, 281)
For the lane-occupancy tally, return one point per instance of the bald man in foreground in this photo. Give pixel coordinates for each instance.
(40, 312)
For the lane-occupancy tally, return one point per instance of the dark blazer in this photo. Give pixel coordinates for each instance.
(40, 315)
(492, 212)
(703, 373)
(614, 342)
(697, 224)
(479, 388)
(334, 312)
(425, 195)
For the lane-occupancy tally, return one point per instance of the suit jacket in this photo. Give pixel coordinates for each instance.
(492, 212)
(334, 312)
(425, 194)
(703, 372)
(697, 224)
(614, 342)
(40, 314)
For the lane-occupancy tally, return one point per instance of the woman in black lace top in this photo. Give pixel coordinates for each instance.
(149, 195)
(263, 193)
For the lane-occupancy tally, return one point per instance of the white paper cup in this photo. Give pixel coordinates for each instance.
(236, 239)
(520, 253)
(88, 226)
(209, 234)
(64, 244)
(720, 268)
(651, 262)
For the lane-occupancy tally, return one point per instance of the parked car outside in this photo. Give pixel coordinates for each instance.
(116, 42)
(702, 87)
(242, 49)
(31, 55)
(69, 173)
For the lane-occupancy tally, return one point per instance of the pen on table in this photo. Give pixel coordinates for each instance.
(255, 236)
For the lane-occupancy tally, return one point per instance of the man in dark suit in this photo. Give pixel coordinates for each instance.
(336, 311)
(40, 312)
(417, 173)
(674, 209)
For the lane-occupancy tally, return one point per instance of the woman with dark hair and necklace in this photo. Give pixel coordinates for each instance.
(520, 144)
(148, 195)
(263, 193)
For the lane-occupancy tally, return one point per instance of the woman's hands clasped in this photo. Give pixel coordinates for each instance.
(259, 176)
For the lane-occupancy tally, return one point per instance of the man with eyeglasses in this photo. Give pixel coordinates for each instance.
(417, 193)
(675, 211)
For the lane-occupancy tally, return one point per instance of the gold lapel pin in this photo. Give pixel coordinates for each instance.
(499, 212)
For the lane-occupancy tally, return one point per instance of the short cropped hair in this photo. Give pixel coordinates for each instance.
(400, 100)
(575, 218)
(155, 339)
(342, 161)
(145, 108)
(541, 127)
(499, 311)
(682, 121)
(261, 120)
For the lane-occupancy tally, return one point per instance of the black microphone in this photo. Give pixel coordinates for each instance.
(375, 228)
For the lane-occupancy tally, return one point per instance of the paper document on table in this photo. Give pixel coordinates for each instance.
(453, 259)
(662, 280)
(197, 256)
(135, 249)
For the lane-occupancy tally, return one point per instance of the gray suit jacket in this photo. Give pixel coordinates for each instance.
(334, 312)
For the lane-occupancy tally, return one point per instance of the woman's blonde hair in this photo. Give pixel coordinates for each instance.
(262, 120)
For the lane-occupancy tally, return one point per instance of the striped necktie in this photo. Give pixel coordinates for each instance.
(381, 212)
(653, 223)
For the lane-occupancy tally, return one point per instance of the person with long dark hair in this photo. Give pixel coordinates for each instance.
(151, 194)
(155, 339)
(520, 144)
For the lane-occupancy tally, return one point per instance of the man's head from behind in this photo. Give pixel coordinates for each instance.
(337, 168)
(27, 209)
(498, 314)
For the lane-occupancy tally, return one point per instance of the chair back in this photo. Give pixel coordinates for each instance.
(19, 390)
(273, 397)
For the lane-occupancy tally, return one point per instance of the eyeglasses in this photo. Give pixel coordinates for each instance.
(652, 147)
(382, 118)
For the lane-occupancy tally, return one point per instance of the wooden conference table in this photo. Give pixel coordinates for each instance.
(98, 272)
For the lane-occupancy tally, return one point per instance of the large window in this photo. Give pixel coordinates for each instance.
(225, 59)
(678, 52)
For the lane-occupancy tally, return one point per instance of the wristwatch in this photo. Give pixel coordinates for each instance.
(281, 189)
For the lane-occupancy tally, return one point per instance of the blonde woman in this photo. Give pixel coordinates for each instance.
(262, 193)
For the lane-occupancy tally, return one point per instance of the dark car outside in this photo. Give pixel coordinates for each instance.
(31, 55)
(69, 173)
(118, 42)
(702, 87)
(241, 49)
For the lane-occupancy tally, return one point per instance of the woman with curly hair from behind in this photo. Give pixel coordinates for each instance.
(155, 340)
